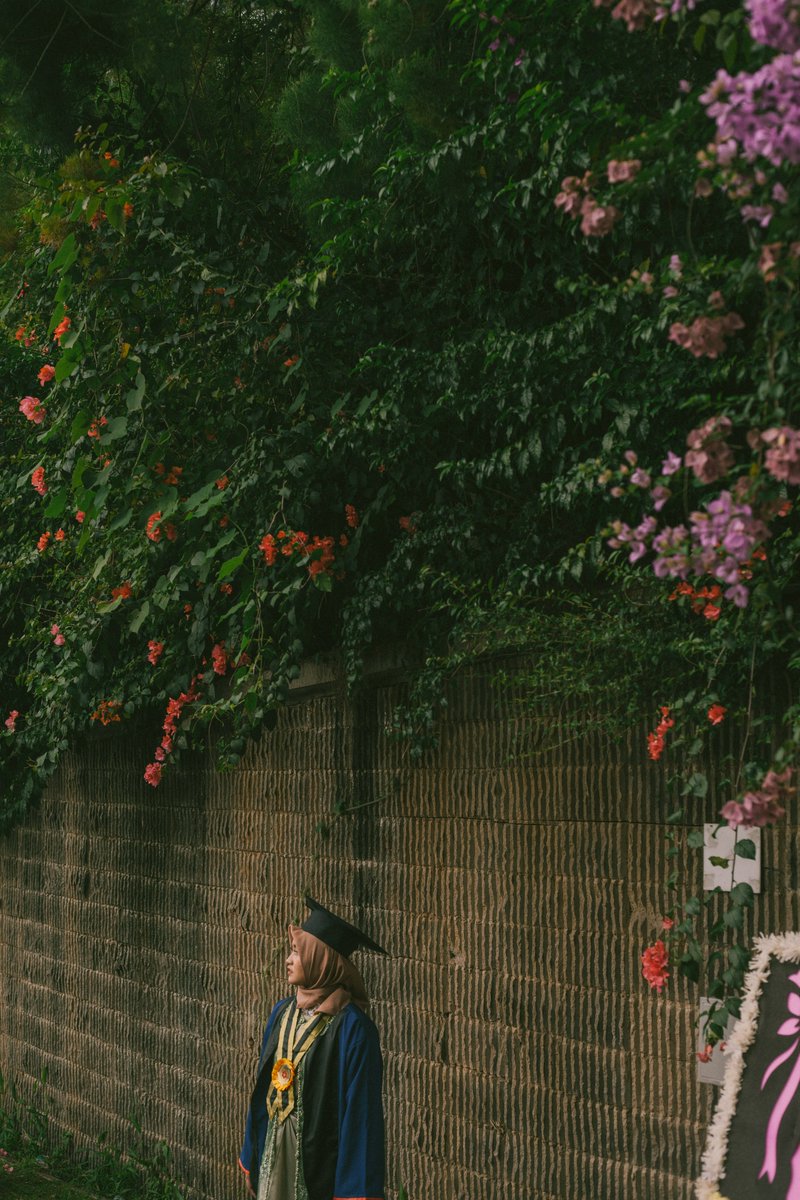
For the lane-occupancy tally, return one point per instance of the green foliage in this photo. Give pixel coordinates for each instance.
(317, 286)
(36, 1162)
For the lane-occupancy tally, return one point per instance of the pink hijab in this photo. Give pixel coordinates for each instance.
(331, 979)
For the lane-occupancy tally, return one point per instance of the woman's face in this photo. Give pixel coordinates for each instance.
(294, 968)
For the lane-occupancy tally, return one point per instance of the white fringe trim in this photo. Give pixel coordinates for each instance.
(786, 948)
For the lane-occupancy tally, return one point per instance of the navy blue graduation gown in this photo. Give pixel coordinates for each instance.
(342, 1142)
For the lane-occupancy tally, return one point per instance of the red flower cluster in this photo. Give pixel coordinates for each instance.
(716, 714)
(123, 592)
(22, 333)
(656, 739)
(44, 541)
(37, 479)
(655, 961)
(154, 528)
(318, 549)
(171, 477)
(175, 707)
(351, 516)
(11, 720)
(46, 374)
(61, 329)
(60, 535)
(94, 429)
(155, 650)
(107, 712)
(269, 548)
(222, 482)
(703, 599)
(219, 658)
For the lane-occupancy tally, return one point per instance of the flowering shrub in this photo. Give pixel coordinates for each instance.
(250, 413)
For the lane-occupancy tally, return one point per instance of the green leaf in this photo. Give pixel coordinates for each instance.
(231, 564)
(734, 917)
(67, 253)
(139, 617)
(695, 839)
(689, 968)
(739, 955)
(68, 363)
(134, 397)
(717, 860)
(746, 848)
(742, 894)
(121, 521)
(116, 428)
(80, 423)
(57, 504)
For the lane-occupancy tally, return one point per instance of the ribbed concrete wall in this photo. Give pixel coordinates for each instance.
(515, 876)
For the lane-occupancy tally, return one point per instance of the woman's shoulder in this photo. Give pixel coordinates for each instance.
(356, 1025)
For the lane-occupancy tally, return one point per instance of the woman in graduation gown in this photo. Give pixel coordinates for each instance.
(315, 1125)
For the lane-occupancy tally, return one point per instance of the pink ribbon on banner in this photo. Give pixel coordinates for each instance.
(789, 1028)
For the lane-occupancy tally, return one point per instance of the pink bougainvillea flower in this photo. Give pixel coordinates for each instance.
(153, 772)
(32, 409)
(597, 220)
(716, 714)
(624, 170)
(11, 720)
(764, 806)
(671, 464)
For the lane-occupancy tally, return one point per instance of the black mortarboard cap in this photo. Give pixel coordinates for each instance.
(336, 933)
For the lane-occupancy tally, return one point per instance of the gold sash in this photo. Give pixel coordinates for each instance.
(293, 1044)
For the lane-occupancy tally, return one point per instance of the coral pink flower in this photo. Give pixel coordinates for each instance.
(37, 479)
(155, 650)
(655, 961)
(61, 329)
(153, 772)
(80, 517)
(716, 714)
(44, 541)
(269, 548)
(46, 374)
(11, 720)
(123, 592)
(219, 658)
(152, 529)
(32, 408)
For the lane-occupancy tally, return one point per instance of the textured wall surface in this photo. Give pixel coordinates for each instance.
(515, 876)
